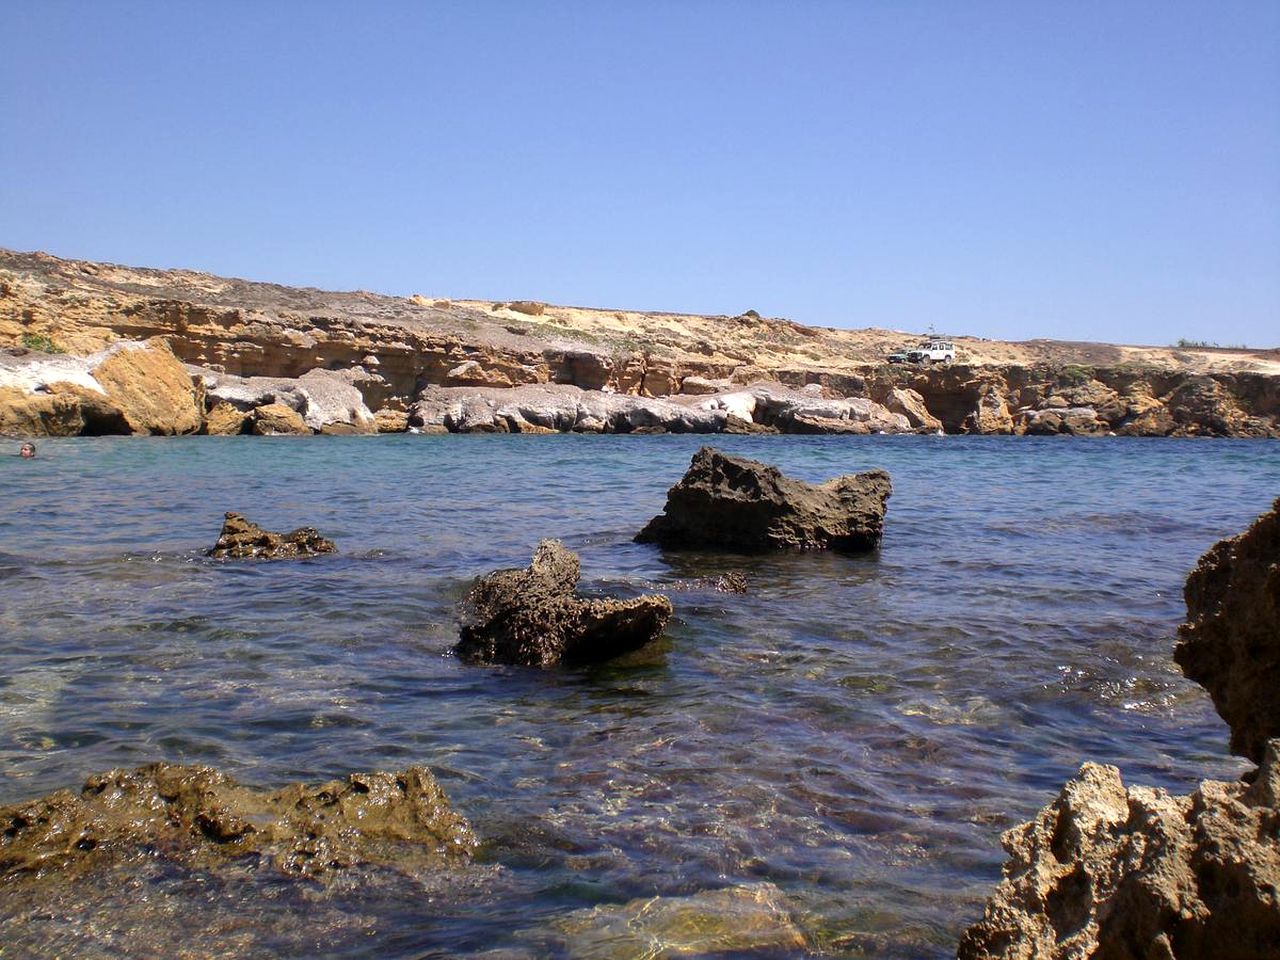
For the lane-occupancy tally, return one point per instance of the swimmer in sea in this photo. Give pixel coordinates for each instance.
(27, 451)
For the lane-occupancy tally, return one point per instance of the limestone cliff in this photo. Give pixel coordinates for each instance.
(389, 349)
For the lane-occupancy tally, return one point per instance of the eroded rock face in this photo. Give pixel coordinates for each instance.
(199, 816)
(1230, 643)
(277, 420)
(533, 617)
(152, 389)
(241, 539)
(732, 503)
(1108, 872)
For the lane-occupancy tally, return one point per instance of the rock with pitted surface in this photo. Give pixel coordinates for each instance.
(242, 539)
(200, 817)
(732, 503)
(1108, 872)
(1230, 643)
(277, 420)
(533, 617)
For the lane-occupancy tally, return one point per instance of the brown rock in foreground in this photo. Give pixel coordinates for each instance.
(242, 539)
(198, 816)
(1108, 872)
(1230, 643)
(532, 617)
(732, 503)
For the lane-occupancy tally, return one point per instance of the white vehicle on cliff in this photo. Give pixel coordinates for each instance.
(934, 351)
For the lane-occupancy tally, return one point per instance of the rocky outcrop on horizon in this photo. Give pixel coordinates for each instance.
(732, 503)
(534, 617)
(199, 817)
(357, 362)
(1107, 871)
(242, 539)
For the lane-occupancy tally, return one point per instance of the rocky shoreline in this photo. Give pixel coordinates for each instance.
(173, 352)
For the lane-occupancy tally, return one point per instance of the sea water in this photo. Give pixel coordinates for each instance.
(855, 730)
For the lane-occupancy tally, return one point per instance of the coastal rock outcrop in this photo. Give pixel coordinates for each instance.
(732, 503)
(151, 388)
(198, 816)
(1110, 872)
(241, 539)
(278, 420)
(533, 617)
(1230, 643)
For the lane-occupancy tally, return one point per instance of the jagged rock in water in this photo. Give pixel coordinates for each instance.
(1230, 643)
(533, 616)
(1107, 872)
(241, 539)
(732, 503)
(200, 817)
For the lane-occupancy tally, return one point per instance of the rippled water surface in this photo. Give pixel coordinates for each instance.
(856, 731)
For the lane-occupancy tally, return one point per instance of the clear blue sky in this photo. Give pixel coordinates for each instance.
(1085, 170)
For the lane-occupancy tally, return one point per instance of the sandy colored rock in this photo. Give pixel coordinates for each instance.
(732, 503)
(241, 539)
(1230, 643)
(391, 421)
(25, 414)
(275, 419)
(737, 921)
(225, 420)
(533, 616)
(197, 816)
(1107, 872)
(397, 346)
(152, 389)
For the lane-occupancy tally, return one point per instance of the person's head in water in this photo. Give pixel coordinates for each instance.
(27, 450)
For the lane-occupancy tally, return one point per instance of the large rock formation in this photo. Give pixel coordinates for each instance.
(1230, 643)
(390, 349)
(241, 539)
(151, 388)
(1107, 872)
(533, 617)
(731, 503)
(200, 817)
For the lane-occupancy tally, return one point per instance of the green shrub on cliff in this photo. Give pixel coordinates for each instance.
(38, 341)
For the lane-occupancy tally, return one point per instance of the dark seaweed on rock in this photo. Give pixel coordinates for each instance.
(201, 817)
(242, 539)
(533, 617)
(732, 503)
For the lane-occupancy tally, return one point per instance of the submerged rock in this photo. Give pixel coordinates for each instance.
(750, 919)
(1230, 643)
(201, 817)
(241, 539)
(727, 502)
(533, 617)
(1110, 872)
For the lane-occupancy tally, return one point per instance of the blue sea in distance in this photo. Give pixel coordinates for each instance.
(857, 731)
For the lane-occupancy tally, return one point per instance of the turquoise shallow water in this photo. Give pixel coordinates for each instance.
(855, 730)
